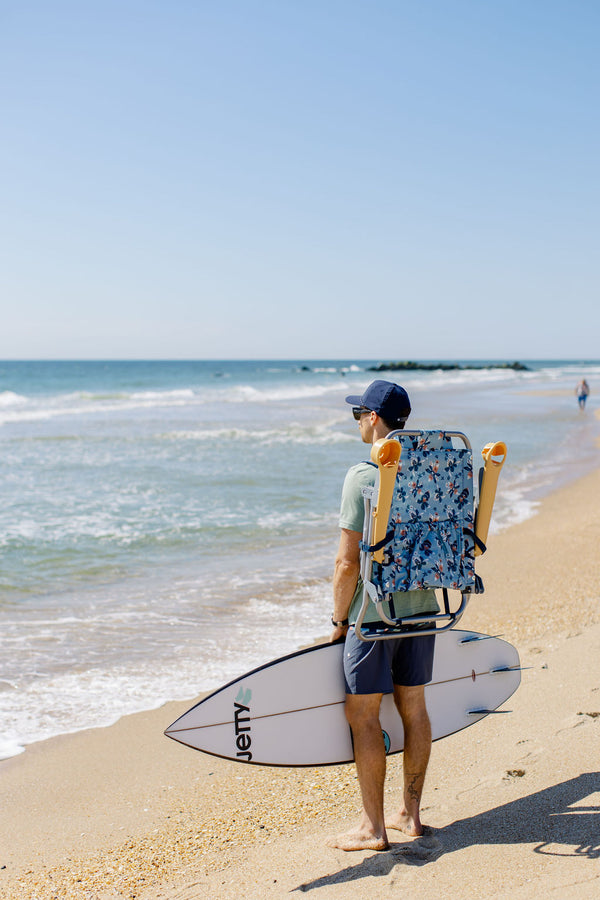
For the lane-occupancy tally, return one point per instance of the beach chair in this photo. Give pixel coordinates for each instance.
(422, 529)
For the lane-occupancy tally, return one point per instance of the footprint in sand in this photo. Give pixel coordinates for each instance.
(576, 721)
(421, 849)
(532, 755)
(485, 783)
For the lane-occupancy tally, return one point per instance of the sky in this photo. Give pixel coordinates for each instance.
(306, 179)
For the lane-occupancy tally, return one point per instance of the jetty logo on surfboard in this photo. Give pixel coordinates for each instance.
(241, 720)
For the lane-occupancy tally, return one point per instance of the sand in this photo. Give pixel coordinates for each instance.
(512, 804)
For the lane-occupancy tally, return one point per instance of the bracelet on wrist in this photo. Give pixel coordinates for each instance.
(340, 623)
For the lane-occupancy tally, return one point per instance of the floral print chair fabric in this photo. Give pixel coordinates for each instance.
(430, 534)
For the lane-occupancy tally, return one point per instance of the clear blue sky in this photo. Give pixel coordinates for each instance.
(300, 178)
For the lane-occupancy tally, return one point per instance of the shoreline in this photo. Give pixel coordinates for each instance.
(122, 811)
(563, 481)
(89, 625)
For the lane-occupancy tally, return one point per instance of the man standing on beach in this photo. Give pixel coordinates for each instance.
(402, 666)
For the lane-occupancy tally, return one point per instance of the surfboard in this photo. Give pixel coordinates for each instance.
(290, 712)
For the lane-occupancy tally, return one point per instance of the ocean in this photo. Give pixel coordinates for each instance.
(165, 526)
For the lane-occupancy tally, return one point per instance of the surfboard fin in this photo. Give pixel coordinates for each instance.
(479, 637)
(500, 669)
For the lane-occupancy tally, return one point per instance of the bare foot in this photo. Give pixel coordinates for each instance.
(406, 824)
(357, 840)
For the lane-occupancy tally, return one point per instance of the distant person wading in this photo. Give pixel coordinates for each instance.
(582, 391)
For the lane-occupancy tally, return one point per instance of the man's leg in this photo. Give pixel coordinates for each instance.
(362, 712)
(410, 702)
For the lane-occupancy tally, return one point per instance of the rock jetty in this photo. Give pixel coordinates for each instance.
(409, 366)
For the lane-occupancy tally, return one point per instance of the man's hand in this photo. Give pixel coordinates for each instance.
(339, 631)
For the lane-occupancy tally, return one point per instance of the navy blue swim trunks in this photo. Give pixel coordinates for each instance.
(374, 667)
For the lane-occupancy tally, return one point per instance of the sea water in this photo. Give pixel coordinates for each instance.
(165, 526)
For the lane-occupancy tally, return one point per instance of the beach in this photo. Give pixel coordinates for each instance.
(511, 803)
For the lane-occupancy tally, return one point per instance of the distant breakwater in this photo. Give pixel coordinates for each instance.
(409, 366)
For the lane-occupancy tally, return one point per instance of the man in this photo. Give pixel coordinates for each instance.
(402, 666)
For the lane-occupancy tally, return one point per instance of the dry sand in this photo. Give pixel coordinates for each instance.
(513, 803)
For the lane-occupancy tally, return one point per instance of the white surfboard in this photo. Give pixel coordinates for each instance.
(290, 712)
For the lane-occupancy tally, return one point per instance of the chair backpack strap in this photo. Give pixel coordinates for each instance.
(468, 532)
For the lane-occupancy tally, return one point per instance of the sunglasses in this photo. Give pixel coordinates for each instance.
(358, 411)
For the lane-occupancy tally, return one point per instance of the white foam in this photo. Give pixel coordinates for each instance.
(74, 701)
(39, 705)
(94, 523)
(164, 396)
(9, 398)
(514, 510)
(286, 392)
(10, 748)
(296, 434)
(85, 403)
(279, 520)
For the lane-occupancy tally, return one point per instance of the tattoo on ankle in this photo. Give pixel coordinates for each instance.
(413, 784)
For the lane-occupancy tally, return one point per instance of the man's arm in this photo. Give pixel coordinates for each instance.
(345, 578)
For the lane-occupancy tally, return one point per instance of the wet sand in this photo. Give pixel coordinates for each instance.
(512, 804)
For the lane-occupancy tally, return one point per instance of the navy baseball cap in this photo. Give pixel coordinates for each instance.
(388, 400)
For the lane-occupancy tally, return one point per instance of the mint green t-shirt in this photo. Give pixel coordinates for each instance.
(352, 514)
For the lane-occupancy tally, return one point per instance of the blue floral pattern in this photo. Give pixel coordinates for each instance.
(431, 508)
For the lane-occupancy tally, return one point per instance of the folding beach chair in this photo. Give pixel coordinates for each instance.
(421, 529)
